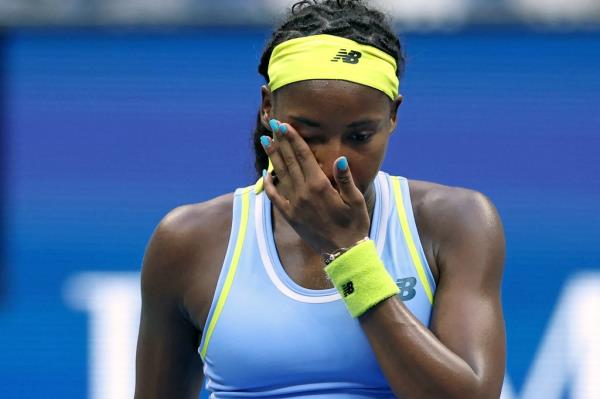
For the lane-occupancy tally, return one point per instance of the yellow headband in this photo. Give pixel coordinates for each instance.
(332, 57)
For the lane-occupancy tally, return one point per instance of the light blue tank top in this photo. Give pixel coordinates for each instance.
(268, 337)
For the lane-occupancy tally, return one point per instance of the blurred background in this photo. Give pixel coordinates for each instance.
(113, 112)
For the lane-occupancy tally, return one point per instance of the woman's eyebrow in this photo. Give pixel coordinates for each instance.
(312, 123)
(362, 122)
(305, 121)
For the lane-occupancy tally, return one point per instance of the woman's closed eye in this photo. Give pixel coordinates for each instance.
(360, 137)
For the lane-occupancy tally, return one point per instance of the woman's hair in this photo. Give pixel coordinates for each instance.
(350, 19)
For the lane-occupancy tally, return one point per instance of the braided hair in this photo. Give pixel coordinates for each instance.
(350, 19)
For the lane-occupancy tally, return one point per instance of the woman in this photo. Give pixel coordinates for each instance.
(328, 278)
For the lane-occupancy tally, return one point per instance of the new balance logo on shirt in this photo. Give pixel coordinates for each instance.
(349, 57)
(407, 288)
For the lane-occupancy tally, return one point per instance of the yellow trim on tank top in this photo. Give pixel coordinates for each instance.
(239, 243)
(408, 237)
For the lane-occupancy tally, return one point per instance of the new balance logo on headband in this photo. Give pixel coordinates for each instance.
(349, 57)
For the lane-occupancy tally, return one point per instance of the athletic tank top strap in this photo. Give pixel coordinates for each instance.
(406, 240)
(242, 204)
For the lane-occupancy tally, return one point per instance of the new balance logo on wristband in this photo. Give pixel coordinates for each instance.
(349, 57)
(407, 288)
(347, 288)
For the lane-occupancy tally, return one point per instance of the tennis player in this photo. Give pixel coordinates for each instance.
(328, 278)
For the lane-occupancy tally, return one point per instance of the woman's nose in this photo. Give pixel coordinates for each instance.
(326, 154)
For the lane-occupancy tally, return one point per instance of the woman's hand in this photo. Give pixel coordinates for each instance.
(326, 218)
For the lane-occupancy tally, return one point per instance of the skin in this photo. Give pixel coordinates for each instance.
(318, 207)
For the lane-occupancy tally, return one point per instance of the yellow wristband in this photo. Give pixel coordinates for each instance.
(361, 278)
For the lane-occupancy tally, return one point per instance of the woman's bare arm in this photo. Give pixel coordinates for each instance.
(167, 364)
(463, 355)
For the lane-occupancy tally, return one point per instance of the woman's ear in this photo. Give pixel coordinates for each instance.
(394, 111)
(266, 106)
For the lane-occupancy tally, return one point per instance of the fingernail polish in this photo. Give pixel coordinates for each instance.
(265, 141)
(342, 163)
(274, 125)
(264, 173)
(283, 129)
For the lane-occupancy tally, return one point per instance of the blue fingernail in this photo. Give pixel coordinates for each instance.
(264, 140)
(264, 173)
(283, 129)
(342, 163)
(274, 125)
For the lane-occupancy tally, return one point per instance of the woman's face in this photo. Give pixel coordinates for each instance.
(337, 118)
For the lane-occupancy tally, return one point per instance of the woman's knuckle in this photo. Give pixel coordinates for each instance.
(303, 154)
(289, 161)
(318, 186)
(357, 201)
(280, 174)
(344, 179)
(302, 199)
(293, 168)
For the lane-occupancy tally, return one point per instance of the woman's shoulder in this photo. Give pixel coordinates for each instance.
(447, 217)
(188, 241)
(192, 221)
(434, 199)
(457, 205)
